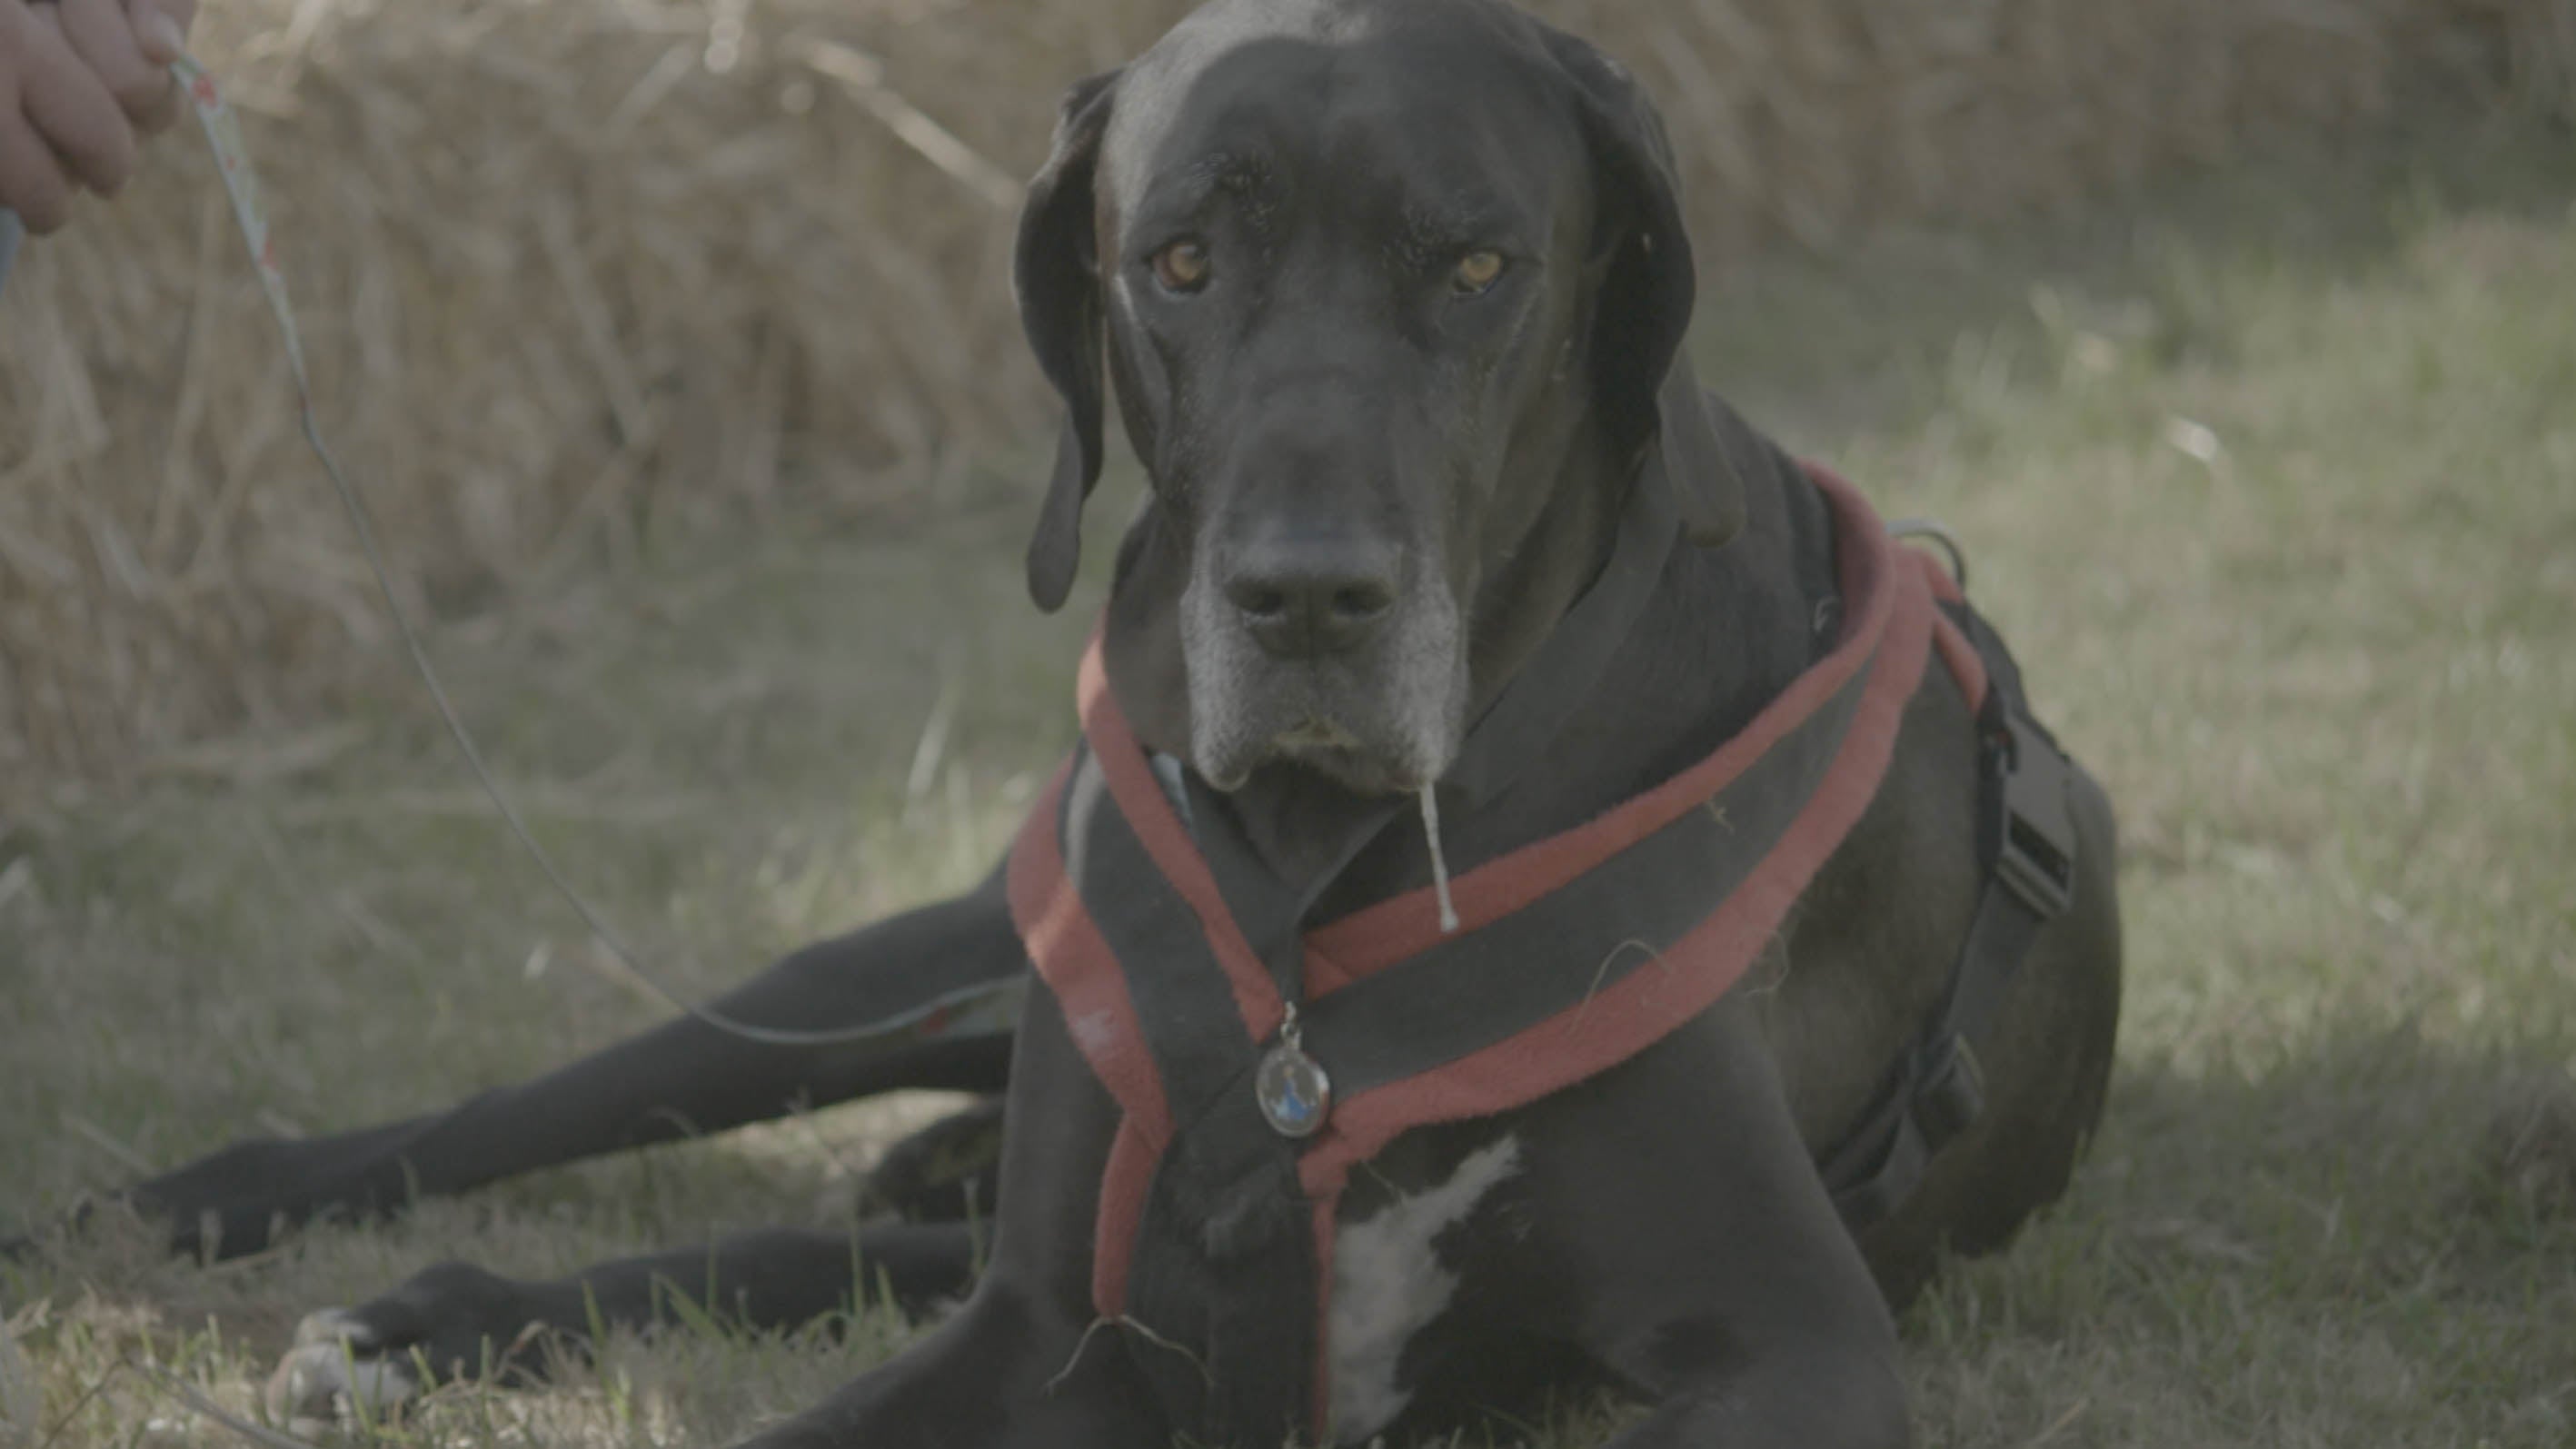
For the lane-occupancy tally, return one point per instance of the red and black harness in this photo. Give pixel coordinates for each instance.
(1179, 978)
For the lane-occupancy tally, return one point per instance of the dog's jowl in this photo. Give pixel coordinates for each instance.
(1475, 702)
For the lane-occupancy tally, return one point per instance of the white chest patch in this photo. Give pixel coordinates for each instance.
(1388, 1285)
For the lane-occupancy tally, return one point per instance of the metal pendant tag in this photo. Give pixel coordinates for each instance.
(1295, 1095)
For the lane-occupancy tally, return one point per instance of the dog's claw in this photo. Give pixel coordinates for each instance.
(335, 1374)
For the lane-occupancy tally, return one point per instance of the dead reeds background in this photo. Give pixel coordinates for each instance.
(579, 273)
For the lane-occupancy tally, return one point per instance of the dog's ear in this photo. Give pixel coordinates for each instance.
(1058, 278)
(1643, 389)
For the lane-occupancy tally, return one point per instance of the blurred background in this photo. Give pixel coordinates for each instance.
(578, 274)
(674, 347)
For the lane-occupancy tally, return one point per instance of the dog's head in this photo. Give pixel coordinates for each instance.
(1393, 293)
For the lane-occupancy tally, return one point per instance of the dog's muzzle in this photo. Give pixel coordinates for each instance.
(1328, 653)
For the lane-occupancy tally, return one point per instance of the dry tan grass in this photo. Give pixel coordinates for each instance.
(579, 274)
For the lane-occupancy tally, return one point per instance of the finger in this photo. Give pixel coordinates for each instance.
(161, 26)
(102, 36)
(154, 116)
(73, 111)
(32, 183)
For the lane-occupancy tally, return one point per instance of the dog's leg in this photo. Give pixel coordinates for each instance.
(1699, 1259)
(455, 1320)
(1025, 1365)
(677, 1080)
(1004, 1374)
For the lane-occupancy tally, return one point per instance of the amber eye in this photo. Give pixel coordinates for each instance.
(1476, 272)
(1182, 266)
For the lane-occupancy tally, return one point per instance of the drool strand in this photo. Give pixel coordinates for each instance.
(1439, 862)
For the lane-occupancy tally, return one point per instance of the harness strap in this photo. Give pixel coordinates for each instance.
(2026, 847)
(1571, 953)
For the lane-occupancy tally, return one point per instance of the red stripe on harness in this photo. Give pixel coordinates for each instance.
(1646, 1005)
(1874, 583)
(1077, 966)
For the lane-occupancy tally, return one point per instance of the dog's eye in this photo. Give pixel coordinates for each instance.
(1182, 266)
(1477, 271)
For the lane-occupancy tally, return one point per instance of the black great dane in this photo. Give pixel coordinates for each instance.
(1546, 888)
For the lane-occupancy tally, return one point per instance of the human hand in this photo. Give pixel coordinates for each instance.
(130, 45)
(79, 80)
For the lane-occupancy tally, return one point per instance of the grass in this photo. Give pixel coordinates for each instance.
(2271, 478)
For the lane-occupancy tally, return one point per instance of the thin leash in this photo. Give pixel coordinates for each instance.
(223, 134)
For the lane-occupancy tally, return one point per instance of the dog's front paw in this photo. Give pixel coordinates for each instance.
(231, 1202)
(337, 1373)
(452, 1321)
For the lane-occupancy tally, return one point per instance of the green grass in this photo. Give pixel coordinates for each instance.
(2271, 479)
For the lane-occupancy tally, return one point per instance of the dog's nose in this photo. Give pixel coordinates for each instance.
(1304, 600)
